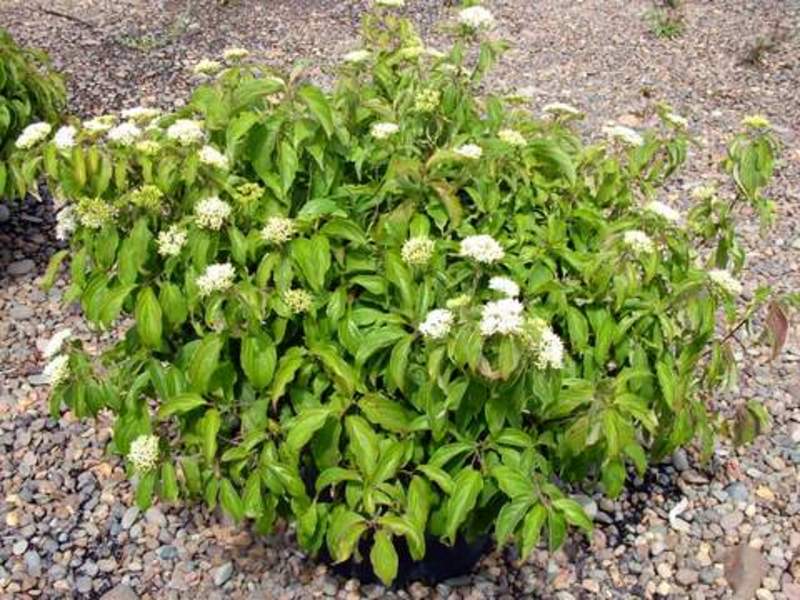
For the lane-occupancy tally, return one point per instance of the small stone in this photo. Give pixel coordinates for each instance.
(121, 592)
(664, 588)
(33, 563)
(657, 547)
(5, 214)
(664, 570)
(222, 574)
(83, 584)
(589, 506)
(167, 552)
(19, 547)
(764, 594)
(731, 520)
(107, 565)
(680, 460)
(129, 518)
(20, 312)
(155, 517)
(21, 267)
(765, 493)
(737, 491)
(687, 577)
(591, 586)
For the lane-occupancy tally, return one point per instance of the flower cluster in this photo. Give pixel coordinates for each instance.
(64, 139)
(279, 230)
(624, 134)
(56, 371)
(756, 122)
(391, 3)
(233, 54)
(427, 100)
(207, 67)
(503, 317)
(186, 132)
(248, 193)
(437, 324)
(100, 124)
(148, 147)
(417, 251)
(512, 137)
(469, 151)
(94, 213)
(171, 241)
(216, 278)
(298, 301)
(140, 114)
(33, 134)
(356, 56)
(704, 192)
(545, 345)
(211, 212)
(482, 248)
(213, 158)
(561, 108)
(663, 211)
(638, 241)
(381, 131)
(56, 343)
(505, 286)
(148, 197)
(676, 120)
(725, 281)
(66, 222)
(143, 453)
(476, 17)
(124, 134)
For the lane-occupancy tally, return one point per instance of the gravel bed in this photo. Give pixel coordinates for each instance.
(67, 528)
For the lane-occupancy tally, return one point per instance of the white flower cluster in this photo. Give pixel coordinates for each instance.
(213, 158)
(512, 137)
(676, 120)
(502, 317)
(216, 278)
(66, 223)
(56, 343)
(437, 324)
(33, 134)
(725, 281)
(638, 241)
(99, 124)
(56, 371)
(141, 114)
(235, 53)
(505, 286)
(143, 453)
(94, 213)
(171, 241)
(211, 212)
(356, 56)
(417, 251)
(624, 134)
(561, 108)
(482, 248)
(469, 151)
(391, 3)
(298, 301)
(186, 132)
(381, 131)
(704, 192)
(279, 230)
(148, 147)
(476, 17)
(664, 211)
(547, 347)
(207, 67)
(124, 134)
(64, 139)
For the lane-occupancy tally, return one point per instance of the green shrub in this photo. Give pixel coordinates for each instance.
(29, 92)
(398, 309)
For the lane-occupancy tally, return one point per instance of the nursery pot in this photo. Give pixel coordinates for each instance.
(440, 562)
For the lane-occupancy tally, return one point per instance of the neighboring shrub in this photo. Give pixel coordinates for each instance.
(399, 309)
(30, 93)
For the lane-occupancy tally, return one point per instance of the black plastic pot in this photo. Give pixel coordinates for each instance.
(439, 563)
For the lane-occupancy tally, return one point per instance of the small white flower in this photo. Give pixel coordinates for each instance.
(391, 3)
(33, 134)
(214, 158)
(676, 120)
(512, 137)
(186, 132)
(546, 346)
(560, 108)
(171, 241)
(298, 301)
(56, 343)
(476, 17)
(638, 241)
(235, 53)
(99, 124)
(66, 223)
(624, 134)
(437, 324)
(56, 371)
(279, 230)
(725, 281)
(703, 192)
(482, 248)
(64, 139)
(502, 317)
(417, 251)
(207, 67)
(211, 212)
(124, 134)
(140, 114)
(381, 131)
(356, 56)
(469, 151)
(216, 278)
(505, 286)
(143, 453)
(95, 213)
(664, 211)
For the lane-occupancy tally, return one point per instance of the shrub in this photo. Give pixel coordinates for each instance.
(401, 309)
(29, 92)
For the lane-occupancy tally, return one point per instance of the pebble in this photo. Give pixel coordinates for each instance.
(120, 592)
(129, 517)
(222, 574)
(687, 577)
(33, 563)
(731, 520)
(737, 491)
(21, 267)
(19, 547)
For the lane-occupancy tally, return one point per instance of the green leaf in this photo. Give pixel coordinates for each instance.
(148, 318)
(252, 500)
(313, 258)
(513, 482)
(204, 362)
(318, 105)
(466, 488)
(668, 382)
(173, 304)
(398, 364)
(344, 531)
(391, 415)
(334, 475)
(53, 266)
(532, 529)
(439, 476)
(376, 340)
(230, 500)
(258, 358)
(383, 557)
(302, 428)
(145, 489)
(288, 166)
(288, 365)
(209, 429)
(556, 529)
(169, 482)
(180, 404)
(574, 513)
(363, 444)
(347, 378)
(509, 517)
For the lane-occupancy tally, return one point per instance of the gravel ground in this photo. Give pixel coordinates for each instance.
(69, 530)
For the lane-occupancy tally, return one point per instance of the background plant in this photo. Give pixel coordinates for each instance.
(400, 309)
(29, 91)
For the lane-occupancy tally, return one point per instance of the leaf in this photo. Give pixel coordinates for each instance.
(667, 381)
(180, 404)
(313, 258)
(258, 357)
(230, 500)
(376, 340)
(288, 165)
(391, 415)
(777, 324)
(439, 476)
(363, 444)
(169, 482)
(556, 529)
(466, 487)
(346, 377)
(288, 365)
(302, 428)
(209, 429)
(344, 530)
(148, 316)
(578, 328)
(509, 517)
(252, 500)
(383, 557)
(145, 489)
(53, 266)
(574, 513)
(204, 362)
(398, 364)
(334, 475)
(318, 105)
(513, 482)
(532, 529)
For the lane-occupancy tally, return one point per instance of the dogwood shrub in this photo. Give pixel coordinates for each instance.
(404, 308)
